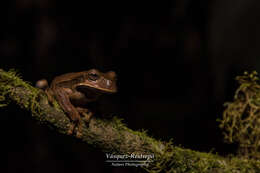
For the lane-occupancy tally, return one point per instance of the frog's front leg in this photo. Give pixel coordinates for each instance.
(80, 99)
(85, 113)
(64, 101)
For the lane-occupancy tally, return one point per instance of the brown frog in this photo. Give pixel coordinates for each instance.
(74, 90)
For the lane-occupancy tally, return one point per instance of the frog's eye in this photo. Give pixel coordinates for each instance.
(93, 76)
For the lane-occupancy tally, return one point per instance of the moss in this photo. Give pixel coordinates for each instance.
(241, 118)
(10, 80)
(180, 160)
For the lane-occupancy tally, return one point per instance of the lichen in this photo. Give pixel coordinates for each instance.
(241, 118)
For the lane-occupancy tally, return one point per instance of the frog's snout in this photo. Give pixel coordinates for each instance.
(42, 84)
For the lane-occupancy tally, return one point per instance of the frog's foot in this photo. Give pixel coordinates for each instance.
(85, 113)
(75, 127)
(76, 123)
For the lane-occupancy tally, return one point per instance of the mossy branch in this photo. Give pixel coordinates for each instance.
(113, 136)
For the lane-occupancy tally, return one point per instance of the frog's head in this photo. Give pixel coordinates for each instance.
(98, 82)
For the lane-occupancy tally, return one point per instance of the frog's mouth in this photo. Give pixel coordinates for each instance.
(93, 90)
(90, 92)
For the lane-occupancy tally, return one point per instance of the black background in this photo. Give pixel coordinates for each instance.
(176, 62)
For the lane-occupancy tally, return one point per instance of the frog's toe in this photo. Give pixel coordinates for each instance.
(71, 129)
(79, 134)
(79, 130)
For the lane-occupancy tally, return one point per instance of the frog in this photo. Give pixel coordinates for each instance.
(73, 91)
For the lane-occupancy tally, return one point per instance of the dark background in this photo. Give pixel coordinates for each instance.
(176, 62)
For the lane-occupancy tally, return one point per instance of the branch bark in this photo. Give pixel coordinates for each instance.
(115, 137)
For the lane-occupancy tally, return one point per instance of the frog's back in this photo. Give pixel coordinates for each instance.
(66, 80)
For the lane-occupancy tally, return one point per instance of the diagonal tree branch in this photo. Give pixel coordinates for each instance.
(113, 136)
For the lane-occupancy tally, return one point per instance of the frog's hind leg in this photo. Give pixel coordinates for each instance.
(50, 96)
(44, 86)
